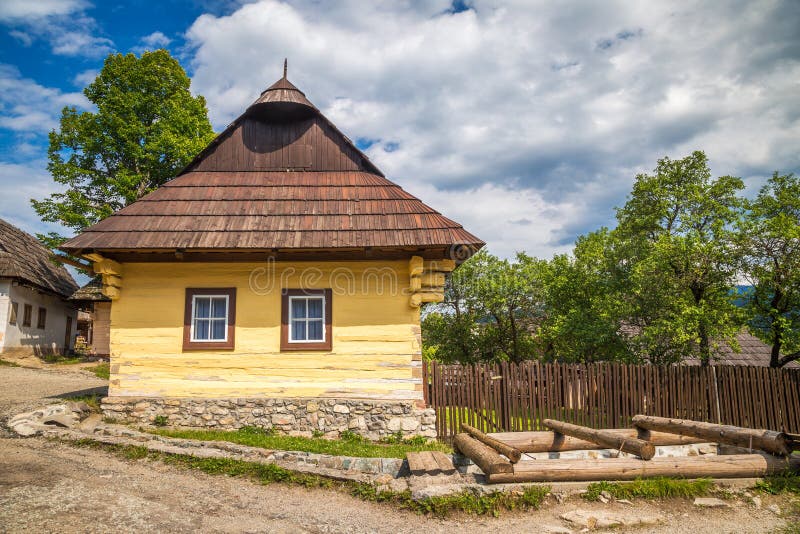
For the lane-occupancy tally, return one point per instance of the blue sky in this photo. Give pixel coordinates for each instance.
(526, 121)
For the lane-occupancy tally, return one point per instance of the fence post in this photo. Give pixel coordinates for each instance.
(716, 394)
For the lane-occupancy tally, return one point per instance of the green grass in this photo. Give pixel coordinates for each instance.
(6, 363)
(487, 504)
(651, 488)
(100, 371)
(350, 445)
(786, 482)
(61, 360)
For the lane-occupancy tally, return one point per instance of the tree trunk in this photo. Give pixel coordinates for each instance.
(484, 457)
(503, 448)
(546, 441)
(777, 331)
(729, 466)
(609, 440)
(765, 440)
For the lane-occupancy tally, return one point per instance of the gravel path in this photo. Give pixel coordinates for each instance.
(23, 389)
(49, 486)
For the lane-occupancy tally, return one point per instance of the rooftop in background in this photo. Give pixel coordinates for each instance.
(280, 178)
(24, 258)
(93, 291)
(752, 353)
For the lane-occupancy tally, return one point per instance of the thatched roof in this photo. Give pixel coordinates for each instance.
(280, 178)
(24, 258)
(93, 291)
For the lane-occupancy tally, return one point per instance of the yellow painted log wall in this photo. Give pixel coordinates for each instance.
(376, 344)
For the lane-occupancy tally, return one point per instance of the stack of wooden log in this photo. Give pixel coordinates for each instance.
(498, 455)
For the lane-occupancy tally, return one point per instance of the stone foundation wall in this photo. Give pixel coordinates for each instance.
(371, 419)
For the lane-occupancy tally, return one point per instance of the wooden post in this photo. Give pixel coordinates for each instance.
(643, 449)
(729, 466)
(510, 452)
(765, 440)
(485, 457)
(547, 441)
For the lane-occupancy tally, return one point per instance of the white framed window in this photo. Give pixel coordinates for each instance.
(306, 319)
(209, 318)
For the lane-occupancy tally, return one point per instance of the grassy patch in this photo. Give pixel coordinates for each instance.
(100, 371)
(786, 482)
(488, 504)
(350, 444)
(61, 359)
(651, 488)
(93, 401)
(6, 363)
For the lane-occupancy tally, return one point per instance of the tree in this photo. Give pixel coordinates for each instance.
(678, 254)
(584, 307)
(490, 312)
(146, 128)
(770, 245)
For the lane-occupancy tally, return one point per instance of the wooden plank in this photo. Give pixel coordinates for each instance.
(444, 463)
(727, 466)
(416, 464)
(508, 451)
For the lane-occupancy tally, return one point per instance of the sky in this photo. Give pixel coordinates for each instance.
(526, 121)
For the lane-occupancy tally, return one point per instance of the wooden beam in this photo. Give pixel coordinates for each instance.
(75, 263)
(765, 440)
(107, 266)
(484, 457)
(547, 441)
(644, 449)
(731, 466)
(509, 452)
(415, 266)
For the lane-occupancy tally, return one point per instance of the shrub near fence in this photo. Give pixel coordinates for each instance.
(510, 397)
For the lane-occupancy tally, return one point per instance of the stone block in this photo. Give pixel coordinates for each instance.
(341, 408)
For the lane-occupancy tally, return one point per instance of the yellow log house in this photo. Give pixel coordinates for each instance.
(277, 280)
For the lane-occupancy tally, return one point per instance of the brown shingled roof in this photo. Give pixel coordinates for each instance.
(24, 258)
(281, 176)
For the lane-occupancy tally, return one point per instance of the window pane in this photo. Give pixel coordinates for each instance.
(201, 327)
(298, 308)
(315, 330)
(218, 330)
(219, 308)
(315, 308)
(298, 330)
(201, 307)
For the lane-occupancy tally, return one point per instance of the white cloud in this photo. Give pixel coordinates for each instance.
(156, 40)
(543, 111)
(20, 183)
(62, 23)
(16, 10)
(84, 78)
(29, 108)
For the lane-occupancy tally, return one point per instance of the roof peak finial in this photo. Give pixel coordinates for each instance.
(285, 65)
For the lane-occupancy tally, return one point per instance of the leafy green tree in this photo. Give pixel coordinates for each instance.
(677, 251)
(770, 245)
(584, 307)
(490, 313)
(146, 127)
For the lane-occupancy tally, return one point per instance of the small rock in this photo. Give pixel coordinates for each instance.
(608, 519)
(757, 502)
(383, 479)
(602, 499)
(606, 494)
(554, 529)
(341, 408)
(559, 497)
(427, 492)
(774, 508)
(710, 502)
(90, 423)
(624, 501)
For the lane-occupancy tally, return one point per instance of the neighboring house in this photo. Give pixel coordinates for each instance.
(35, 316)
(94, 317)
(280, 264)
(752, 352)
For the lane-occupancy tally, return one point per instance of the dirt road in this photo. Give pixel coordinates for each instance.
(51, 487)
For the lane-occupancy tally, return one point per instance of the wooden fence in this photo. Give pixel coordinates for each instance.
(517, 397)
